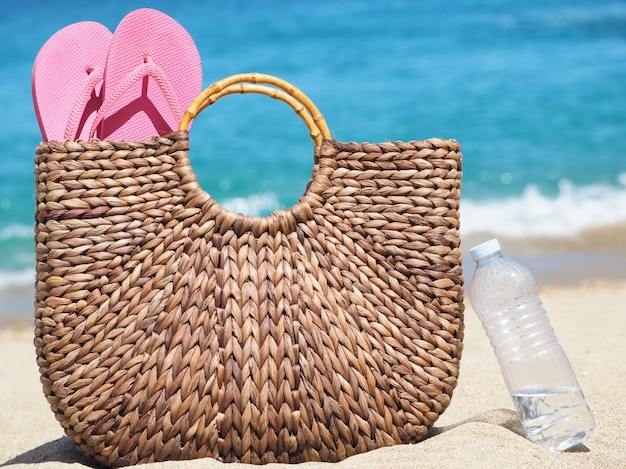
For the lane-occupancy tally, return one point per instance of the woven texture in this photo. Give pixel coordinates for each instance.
(168, 327)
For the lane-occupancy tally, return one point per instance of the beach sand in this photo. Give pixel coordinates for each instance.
(480, 428)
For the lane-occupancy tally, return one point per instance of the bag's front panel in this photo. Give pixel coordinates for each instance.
(256, 385)
(169, 328)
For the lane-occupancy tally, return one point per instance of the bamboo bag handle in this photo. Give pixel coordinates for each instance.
(268, 85)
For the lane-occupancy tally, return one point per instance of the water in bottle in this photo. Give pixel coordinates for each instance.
(538, 375)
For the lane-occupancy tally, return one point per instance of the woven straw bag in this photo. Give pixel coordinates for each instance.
(169, 328)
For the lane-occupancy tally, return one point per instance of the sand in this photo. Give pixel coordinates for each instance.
(480, 428)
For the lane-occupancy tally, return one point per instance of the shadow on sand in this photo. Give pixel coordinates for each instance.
(64, 451)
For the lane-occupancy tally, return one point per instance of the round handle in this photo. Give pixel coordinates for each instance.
(268, 85)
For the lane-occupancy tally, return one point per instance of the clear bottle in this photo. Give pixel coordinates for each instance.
(537, 373)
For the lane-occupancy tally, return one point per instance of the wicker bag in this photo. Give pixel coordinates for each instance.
(168, 327)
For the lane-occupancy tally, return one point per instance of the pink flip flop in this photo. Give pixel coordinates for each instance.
(153, 73)
(67, 80)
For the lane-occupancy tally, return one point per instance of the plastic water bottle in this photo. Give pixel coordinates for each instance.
(537, 373)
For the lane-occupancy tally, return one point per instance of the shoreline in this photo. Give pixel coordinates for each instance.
(563, 263)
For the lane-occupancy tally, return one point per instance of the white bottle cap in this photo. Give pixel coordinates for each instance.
(488, 247)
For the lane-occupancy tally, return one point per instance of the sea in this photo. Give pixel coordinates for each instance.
(535, 93)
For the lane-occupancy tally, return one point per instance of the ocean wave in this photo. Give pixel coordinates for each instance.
(588, 213)
(253, 205)
(566, 15)
(11, 279)
(574, 210)
(16, 231)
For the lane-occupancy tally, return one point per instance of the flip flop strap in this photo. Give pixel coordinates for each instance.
(150, 69)
(93, 78)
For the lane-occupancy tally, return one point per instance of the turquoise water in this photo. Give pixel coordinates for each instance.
(534, 92)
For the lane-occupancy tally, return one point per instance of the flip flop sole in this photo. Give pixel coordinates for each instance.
(153, 73)
(64, 86)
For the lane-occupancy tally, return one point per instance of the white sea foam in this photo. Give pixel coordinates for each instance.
(573, 210)
(14, 258)
(10, 279)
(15, 231)
(255, 204)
